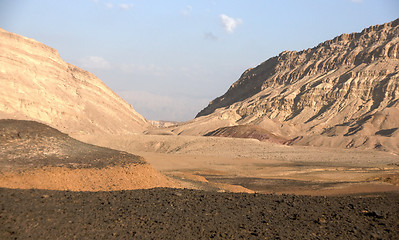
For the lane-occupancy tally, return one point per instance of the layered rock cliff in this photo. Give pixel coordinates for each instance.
(343, 92)
(36, 84)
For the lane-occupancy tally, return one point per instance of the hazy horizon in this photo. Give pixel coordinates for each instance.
(169, 59)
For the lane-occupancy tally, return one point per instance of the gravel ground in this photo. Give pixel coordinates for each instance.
(189, 214)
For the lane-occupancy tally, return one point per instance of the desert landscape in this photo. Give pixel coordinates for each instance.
(305, 145)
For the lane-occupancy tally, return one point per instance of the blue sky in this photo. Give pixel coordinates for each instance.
(170, 58)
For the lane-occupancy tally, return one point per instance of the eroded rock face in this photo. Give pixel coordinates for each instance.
(36, 84)
(347, 87)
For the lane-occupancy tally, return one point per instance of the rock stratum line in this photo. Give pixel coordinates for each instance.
(36, 84)
(342, 93)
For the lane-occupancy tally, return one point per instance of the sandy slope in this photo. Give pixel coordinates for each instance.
(87, 179)
(33, 155)
(261, 166)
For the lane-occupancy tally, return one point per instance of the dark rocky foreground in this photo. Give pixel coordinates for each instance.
(191, 214)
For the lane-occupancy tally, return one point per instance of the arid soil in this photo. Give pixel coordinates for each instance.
(192, 214)
(261, 166)
(33, 155)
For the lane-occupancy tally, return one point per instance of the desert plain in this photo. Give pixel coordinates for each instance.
(192, 188)
(305, 145)
(249, 165)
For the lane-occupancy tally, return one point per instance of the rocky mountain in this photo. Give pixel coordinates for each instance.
(343, 92)
(36, 84)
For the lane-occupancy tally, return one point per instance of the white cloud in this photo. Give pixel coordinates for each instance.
(109, 5)
(125, 6)
(229, 23)
(187, 10)
(94, 62)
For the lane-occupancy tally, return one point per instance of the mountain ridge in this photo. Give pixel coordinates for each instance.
(36, 84)
(345, 88)
(286, 55)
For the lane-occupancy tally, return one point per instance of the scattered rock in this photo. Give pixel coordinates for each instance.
(147, 214)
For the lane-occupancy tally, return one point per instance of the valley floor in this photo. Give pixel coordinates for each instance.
(213, 177)
(248, 165)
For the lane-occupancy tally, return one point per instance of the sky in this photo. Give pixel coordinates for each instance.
(168, 59)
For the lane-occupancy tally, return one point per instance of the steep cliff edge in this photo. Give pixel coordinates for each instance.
(36, 84)
(343, 92)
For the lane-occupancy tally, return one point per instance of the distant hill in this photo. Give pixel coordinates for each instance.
(36, 84)
(342, 93)
(247, 131)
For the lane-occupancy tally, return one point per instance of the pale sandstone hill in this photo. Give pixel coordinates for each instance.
(344, 92)
(36, 84)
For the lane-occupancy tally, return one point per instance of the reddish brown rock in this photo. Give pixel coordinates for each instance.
(247, 131)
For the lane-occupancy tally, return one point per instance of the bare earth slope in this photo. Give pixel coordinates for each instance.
(33, 155)
(247, 131)
(36, 84)
(342, 93)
